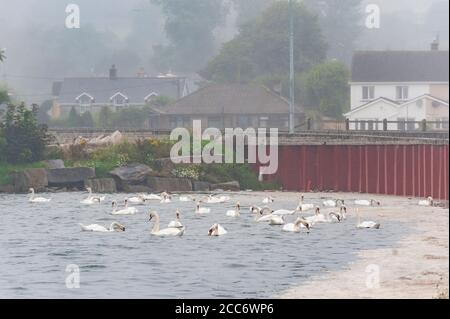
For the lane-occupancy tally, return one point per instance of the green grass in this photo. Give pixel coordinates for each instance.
(6, 169)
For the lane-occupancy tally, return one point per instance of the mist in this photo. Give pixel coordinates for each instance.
(40, 49)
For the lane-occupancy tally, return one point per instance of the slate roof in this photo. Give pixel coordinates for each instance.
(230, 99)
(400, 66)
(102, 89)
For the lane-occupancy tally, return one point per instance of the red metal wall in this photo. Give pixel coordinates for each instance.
(404, 170)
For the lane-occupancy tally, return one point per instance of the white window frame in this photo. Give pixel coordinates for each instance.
(368, 92)
(402, 92)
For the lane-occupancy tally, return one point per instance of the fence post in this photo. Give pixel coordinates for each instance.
(424, 125)
(308, 124)
(347, 124)
(385, 125)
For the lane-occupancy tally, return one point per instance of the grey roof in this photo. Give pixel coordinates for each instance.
(230, 99)
(400, 66)
(136, 89)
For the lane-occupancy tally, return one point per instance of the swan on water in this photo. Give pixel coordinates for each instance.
(177, 222)
(304, 207)
(333, 202)
(268, 200)
(125, 211)
(297, 226)
(34, 199)
(317, 218)
(168, 232)
(427, 202)
(364, 202)
(334, 218)
(115, 227)
(92, 199)
(202, 210)
(235, 212)
(277, 220)
(140, 199)
(151, 197)
(216, 230)
(166, 198)
(367, 224)
(264, 215)
(188, 198)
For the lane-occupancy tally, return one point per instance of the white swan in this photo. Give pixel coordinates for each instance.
(235, 212)
(216, 230)
(177, 222)
(202, 210)
(189, 198)
(261, 217)
(34, 199)
(304, 207)
(268, 200)
(364, 202)
(317, 218)
(333, 202)
(92, 199)
(297, 226)
(115, 227)
(151, 197)
(224, 199)
(427, 202)
(168, 232)
(367, 224)
(277, 220)
(166, 199)
(139, 200)
(334, 218)
(125, 211)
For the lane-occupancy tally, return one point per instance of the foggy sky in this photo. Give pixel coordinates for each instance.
(131, 28)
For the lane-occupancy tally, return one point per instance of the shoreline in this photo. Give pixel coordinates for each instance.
(417, 267)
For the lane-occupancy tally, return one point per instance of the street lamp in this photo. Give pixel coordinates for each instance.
(292, 70)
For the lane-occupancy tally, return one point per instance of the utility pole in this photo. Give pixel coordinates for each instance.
(292, 71)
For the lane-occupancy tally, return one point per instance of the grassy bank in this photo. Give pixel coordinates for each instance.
(6, 169)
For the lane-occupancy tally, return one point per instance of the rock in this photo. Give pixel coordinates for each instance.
(31, 178)
(69, 177)
(200, 186)
(8, 189)
(229, 186)
(55, 164)
(164, 166)
(134, 174)
(137, 189)
(170, 184)
(101, 185)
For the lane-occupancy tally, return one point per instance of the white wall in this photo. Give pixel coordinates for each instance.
(385, 90)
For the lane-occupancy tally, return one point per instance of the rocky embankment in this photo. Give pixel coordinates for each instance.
(134, 178)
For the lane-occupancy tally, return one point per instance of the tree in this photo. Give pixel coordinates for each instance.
(74, 119)
(327, 88)
(250, 9)
(25, 139)
(262, 46)
(4, 96)
(86, 120)
(341, 22)
(190, 28)
(105, 117)
(2, 55)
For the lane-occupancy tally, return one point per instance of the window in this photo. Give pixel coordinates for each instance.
(402, 93)
(244, 121)
(215, 122)
(119, 99)
(264, 121)
(368, 93)
(85, 102)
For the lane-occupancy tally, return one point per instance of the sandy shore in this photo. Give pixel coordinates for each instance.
(417, 267)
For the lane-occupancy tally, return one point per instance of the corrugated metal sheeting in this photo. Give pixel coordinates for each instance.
(404, 170)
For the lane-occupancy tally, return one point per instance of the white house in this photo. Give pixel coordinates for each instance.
(399, 86)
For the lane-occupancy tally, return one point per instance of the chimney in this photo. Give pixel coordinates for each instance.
(435, 45)
(113, 72)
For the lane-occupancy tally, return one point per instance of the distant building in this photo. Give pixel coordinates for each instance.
(399, 86)
(92, 94)
(228, 106)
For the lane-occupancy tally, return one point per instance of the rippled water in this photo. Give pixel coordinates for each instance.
(253, 260)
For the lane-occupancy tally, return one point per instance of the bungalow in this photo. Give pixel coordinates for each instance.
(228, 106)
(92, 94)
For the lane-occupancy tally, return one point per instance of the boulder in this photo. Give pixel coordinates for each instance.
(164, 166)
(134, 174)
(31, 178)
(200, 186)
(55, 164)
(228, 186)
(136, 189)
(170, 184)
(69, 177)
(101, 185)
